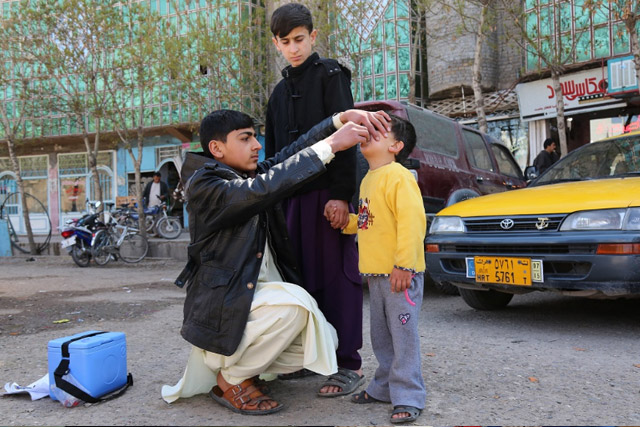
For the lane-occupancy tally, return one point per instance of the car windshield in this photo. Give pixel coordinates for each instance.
(604, 159)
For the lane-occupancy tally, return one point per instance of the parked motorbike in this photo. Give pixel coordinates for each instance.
(78, 233)
(156, 221)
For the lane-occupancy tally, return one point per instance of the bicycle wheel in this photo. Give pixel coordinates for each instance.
(169, 228)
(102, 246)
(134, 248)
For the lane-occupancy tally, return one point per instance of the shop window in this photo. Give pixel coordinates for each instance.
(402, 27)
(380, 88)
(367, 91)
(391, 60)
(583, 45)
(392, 91)
(390, 33)
(404, 85)
(366, 66)
(404, 59)
(620, 39)
(601, 42)
(402, 9)
(33, 166)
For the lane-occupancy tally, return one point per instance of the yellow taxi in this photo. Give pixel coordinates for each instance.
(575, 229)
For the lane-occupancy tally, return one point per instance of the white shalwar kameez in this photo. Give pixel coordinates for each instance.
(285, 332)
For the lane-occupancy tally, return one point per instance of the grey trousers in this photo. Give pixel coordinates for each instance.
(396, 343)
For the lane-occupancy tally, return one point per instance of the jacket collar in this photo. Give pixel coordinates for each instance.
(290, 71)
(194, 161)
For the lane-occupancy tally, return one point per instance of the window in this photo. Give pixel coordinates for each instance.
(435, 133)
(505, 163)
(476, 150)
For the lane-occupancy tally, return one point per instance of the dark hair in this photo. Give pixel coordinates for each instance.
(290, 16)
(218, 124)
(403, 131)
(547, 142)
(157, 173)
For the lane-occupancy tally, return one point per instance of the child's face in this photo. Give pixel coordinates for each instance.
(382, 151)
(296, 46)
(240, 151)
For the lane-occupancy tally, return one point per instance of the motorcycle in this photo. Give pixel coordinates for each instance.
(78, 234)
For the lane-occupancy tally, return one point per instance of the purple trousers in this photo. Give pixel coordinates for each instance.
(329, 262)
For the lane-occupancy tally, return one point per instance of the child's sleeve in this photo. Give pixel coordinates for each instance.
(405, 201)
(352, 226)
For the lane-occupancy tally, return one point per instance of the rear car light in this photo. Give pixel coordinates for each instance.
(67, 233)
(432, 248)
(618, 249)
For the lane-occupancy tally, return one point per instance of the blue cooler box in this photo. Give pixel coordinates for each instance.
(99, 362)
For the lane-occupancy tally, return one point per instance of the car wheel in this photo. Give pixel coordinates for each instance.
(485, 300)
(446, 288)
(460, 195)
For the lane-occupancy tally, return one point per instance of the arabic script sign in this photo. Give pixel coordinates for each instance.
(582, 92)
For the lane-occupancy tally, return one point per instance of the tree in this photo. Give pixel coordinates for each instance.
(15, 108)
(72, 43)
(547, 42)
(221, 60)
(133, 83)
(477, 18)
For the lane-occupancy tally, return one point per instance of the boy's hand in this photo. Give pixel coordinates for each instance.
(377, 123)
(347, 136)
(400, 280)
(337, 213)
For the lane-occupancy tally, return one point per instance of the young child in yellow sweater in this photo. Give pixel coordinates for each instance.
(391, 227)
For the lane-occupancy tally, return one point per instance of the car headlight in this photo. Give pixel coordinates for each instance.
(603, 219)
(447, 224)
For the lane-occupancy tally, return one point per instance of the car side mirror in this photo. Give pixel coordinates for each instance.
(411, 164)
(531, 172)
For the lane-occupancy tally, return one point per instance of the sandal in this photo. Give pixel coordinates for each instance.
(243, 398)
(302, 373)
(364, 397)
(413, 412)
(261, 385)
(346, 379)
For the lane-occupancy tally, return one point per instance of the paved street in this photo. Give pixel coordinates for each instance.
(545, 360)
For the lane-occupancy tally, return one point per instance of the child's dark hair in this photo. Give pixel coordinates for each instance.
(403, 131)
(290, 16)
(218, 124)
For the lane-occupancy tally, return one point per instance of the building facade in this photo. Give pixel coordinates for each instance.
(395, 54)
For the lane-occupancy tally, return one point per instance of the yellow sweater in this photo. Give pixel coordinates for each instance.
(390, 223)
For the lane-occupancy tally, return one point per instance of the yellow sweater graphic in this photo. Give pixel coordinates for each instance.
(390, 223)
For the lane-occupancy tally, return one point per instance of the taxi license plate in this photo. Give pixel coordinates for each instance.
(504, 270)
(68, 242)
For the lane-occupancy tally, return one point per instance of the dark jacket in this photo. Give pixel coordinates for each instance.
(307, 94)
(544, 160)
(231, 217)
(164, 191)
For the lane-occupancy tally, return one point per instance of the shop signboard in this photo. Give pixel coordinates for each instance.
(582, 92)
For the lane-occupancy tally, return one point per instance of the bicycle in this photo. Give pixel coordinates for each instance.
(118, 241)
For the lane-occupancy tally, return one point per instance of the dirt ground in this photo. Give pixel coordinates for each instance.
(546, 360)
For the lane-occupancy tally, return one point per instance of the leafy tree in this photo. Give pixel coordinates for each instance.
(16, 105)
(470, 17)
(546, 42)
(222, 61)
(72, 43)
(138, 74)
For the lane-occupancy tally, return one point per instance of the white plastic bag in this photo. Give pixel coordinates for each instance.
(66, 399)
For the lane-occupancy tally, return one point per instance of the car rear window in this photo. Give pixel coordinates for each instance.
(434, 133)
(505, 162)
(477, 150)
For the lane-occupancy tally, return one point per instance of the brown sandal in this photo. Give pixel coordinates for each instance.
(243, 398)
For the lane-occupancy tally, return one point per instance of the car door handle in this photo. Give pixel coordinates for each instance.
(479, 178)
